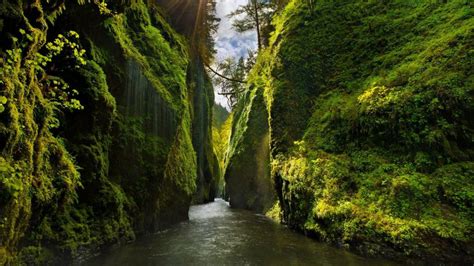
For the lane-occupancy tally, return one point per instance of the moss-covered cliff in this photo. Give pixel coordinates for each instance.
(208, 169)
(369, 108)
(188, 18)
(100, 107)
(247, 165)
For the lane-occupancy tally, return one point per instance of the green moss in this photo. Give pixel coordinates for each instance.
(3, 255)
(67, 190)
(163, 64)
(221, 139)
(36, 256)
(369, 106)
(181, 163)
(247, 171)
(202, 94)
(37, 170)
(388, 204)
(275, 212)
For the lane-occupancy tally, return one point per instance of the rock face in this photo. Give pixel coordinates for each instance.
(184, 13)
(247, 175)
(370, 107)
(98, 129)
(208, 171)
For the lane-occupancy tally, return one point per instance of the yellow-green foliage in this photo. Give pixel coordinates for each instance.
(35, 167)
(221, 138)
(370, 107)
(275, 212)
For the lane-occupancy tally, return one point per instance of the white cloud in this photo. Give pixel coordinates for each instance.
(230, 43)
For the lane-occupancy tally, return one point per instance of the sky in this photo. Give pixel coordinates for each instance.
(230, 43)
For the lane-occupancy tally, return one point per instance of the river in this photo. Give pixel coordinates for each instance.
(218, 235)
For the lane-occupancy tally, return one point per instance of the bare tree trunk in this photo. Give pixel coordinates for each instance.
(257, 22)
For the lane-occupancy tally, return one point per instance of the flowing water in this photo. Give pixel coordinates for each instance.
(218, 235)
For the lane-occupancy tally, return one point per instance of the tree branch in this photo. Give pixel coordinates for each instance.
(222, 76)
(230, 93)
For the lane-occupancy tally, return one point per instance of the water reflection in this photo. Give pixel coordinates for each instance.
(218, 235)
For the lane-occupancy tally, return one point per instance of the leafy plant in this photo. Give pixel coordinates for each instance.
(3, 101)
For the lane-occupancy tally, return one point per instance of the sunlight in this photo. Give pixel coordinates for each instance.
(187, 14)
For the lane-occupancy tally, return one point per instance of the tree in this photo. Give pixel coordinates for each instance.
(211, 24)
(233, 74)
(231, 78)
(230, 86)
(257, 15)
(250, 61)
(197, 20)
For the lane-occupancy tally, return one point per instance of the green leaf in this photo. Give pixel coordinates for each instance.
(3, 100)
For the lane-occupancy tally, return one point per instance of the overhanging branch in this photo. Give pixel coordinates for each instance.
(222, 76)
(230, 93)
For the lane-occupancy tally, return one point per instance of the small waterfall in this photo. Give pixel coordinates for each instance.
(143, 101)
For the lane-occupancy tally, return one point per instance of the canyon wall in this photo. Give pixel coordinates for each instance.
(104, 129)
(368, 108)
